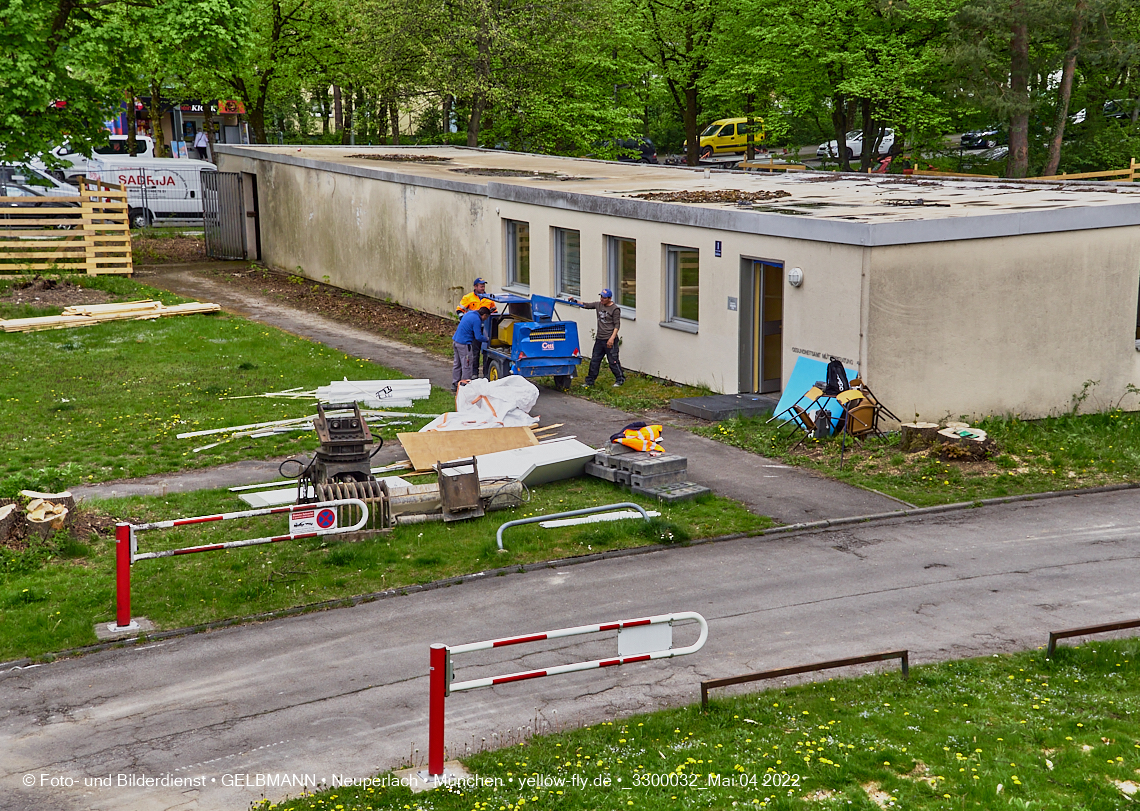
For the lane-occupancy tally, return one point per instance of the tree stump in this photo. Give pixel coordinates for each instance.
(10, 516)
(954, 446)
(918, 434)
(64, 499)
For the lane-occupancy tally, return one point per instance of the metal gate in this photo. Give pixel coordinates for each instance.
(223, 215)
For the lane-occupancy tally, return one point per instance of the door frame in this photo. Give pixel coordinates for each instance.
(749, 378)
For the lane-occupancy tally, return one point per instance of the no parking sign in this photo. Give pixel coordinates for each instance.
(302, 521)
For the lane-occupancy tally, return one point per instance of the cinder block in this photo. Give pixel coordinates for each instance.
(610, 474)
(669, 493)
(642, 462)
(657, 479)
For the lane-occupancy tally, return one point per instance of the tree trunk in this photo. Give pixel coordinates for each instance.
(839, 124)
(346, 134)
(1065, 91)
(867, 153)
(208, 124)
(257, 121)
(473, 123)
(1018, 165)
(132, 122)
(690, 113)
(156, 122)
(750, 147)
(338, 112)
(394, 114)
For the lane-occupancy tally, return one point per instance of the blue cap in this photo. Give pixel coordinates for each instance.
(606, 293)
(478, 281)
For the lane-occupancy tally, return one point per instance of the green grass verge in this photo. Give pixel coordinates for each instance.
(107, 401)
(1015, 732)
(1058, 453)
(52, 594)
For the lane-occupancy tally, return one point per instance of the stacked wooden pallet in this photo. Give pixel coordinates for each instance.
(89, 232)
(84, 315)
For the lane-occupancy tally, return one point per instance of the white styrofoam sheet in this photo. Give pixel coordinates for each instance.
(537, 464)
(288, 495)
(597, 518)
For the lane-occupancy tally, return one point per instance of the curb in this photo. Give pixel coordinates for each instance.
(522, 568)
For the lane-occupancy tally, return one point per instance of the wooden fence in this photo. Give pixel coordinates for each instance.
(1126, 175)
(88, 233)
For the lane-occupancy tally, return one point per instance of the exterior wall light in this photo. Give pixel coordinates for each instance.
(795, 277)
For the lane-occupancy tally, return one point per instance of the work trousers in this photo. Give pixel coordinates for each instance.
(611, 356)
(463, 366)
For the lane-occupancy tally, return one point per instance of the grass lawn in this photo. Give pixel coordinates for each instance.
(107, 401)
(1057, 453)
(52, 594)
(1013, 731)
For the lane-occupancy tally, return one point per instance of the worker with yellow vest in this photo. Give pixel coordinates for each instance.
(472, 302)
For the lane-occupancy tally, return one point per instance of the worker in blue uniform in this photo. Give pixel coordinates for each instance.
(470, 331)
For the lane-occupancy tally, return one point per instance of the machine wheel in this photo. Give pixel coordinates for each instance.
(139, 217)
(498, 369)
(562, 382)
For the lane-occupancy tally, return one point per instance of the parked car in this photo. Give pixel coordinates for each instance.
(26, 174)
(855, 145)
(22, 202)
(985, 138)
(117, 146)
(729, 136)
(636, 150)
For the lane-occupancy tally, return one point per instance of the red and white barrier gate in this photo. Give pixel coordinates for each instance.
(324, 518)
(639, 640)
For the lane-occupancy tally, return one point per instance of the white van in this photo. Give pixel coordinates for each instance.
(158, 189)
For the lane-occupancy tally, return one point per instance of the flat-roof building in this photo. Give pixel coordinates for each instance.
(951, 297)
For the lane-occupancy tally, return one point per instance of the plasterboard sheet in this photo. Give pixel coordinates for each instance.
(539, 464)
(424, 449)
(288, 495)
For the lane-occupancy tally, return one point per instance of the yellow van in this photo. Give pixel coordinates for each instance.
(729, 136)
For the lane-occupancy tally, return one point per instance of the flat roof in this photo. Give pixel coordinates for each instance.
(845, 208)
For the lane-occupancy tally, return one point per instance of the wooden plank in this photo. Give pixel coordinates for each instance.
(46, 322)
(426, 448)
(114, 307)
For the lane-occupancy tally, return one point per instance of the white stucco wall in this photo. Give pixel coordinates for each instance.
(1013, 325)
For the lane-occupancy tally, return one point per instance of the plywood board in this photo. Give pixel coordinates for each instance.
(426, 448)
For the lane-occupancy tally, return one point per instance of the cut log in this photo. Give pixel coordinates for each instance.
(64, 499)
(918, 434)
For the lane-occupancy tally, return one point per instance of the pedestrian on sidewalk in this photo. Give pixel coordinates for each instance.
(469, 331)
(605, 338)
(202, 144)
(474, 301)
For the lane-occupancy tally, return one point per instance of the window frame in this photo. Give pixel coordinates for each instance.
(558, 238)
(511, 254)
(613, 273)
(673, 318)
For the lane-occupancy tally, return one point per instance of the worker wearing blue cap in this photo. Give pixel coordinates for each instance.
(472, 302)
(606, 338)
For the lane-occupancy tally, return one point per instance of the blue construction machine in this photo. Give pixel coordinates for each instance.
(525, 339)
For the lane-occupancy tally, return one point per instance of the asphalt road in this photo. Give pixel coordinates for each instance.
(344, 692)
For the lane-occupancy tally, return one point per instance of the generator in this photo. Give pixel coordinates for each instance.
(527, 339)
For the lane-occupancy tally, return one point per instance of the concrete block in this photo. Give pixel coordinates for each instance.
(644, 463)
(610, 474)
(657, 479)
(669, 493)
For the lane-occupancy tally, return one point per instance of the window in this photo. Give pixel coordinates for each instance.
(683, 279)
(518, 253)
(567, 262)
(622, 272)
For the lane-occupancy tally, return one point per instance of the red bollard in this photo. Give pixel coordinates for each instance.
(123, 575)
(437, 692)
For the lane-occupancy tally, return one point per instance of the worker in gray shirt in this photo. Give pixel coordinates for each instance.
(606, 337)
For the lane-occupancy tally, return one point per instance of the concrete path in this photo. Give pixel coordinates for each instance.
(345, 692)
(766, 487)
